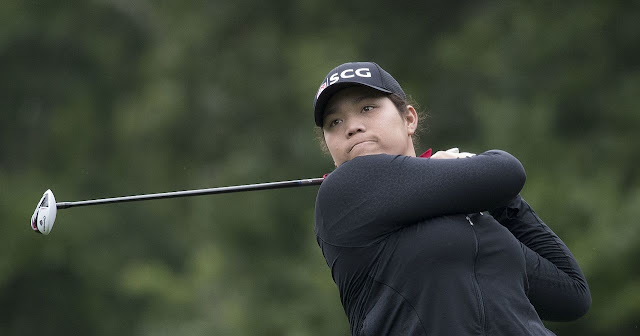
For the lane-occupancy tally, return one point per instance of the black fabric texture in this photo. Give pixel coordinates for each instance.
(412, 254)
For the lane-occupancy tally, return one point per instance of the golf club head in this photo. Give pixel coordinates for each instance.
(45, 214)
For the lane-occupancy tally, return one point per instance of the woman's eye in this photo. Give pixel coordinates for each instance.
(334, 122)
(367, 108)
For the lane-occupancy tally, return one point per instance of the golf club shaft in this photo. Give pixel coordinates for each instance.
(197, 192)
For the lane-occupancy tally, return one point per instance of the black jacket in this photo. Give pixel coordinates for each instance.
(412, 254)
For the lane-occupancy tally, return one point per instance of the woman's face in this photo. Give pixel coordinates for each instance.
(360, 121)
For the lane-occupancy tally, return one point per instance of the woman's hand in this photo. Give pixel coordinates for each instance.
(453, 153)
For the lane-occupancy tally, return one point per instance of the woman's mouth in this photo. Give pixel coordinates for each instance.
(359, 143)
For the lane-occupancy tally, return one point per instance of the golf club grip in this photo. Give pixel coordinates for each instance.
(197, 192)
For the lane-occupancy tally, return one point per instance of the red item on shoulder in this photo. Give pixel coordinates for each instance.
(426, 154)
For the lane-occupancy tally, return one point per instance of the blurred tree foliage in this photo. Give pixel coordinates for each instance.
(112, 97)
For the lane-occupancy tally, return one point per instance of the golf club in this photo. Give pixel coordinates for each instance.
(44, 216)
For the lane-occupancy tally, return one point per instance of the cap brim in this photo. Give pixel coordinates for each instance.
(331, 90)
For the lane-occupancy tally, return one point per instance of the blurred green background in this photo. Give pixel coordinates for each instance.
(117, 97)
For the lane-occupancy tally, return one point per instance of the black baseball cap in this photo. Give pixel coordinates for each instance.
(353, 74)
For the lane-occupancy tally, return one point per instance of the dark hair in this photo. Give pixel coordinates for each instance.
(401, 105)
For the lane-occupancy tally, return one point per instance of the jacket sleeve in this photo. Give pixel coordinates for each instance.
(557, 288)
(371, 196)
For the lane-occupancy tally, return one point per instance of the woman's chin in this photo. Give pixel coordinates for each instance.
(365, 148)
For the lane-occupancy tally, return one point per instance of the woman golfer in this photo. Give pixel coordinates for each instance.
(420, 246)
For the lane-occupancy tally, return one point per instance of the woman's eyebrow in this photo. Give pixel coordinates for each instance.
(329, 111)
(361, 98)
(357, 100)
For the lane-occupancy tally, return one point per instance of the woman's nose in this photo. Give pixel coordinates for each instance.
(354, 127)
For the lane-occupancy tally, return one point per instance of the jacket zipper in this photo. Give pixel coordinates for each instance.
(475, 278)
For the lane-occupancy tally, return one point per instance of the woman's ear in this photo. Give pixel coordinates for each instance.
(411, 120)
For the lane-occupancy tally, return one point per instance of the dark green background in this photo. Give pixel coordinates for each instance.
(107, 98)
